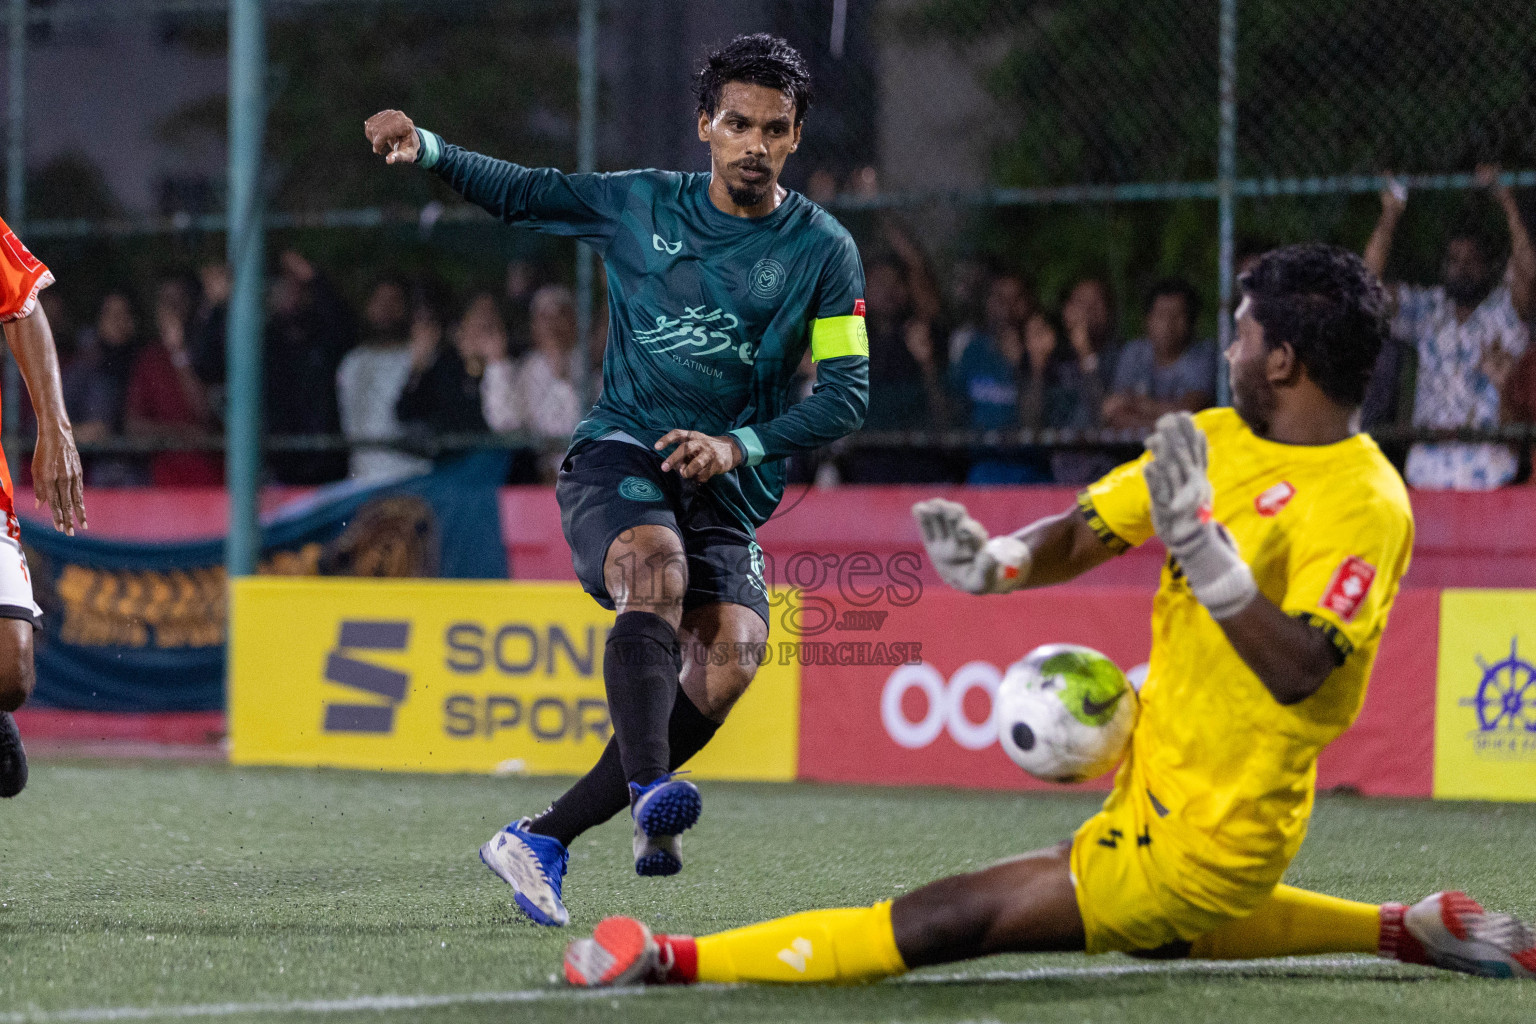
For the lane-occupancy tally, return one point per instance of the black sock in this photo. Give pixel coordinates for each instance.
(641, 663)
(602, 792)
(595, 797)
(688, 730)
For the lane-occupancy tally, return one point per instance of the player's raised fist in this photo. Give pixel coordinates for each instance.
(393, 136)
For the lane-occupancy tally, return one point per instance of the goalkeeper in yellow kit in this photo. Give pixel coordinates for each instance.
(1288, 533)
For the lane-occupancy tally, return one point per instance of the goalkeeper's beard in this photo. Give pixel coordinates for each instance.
(1253, 397)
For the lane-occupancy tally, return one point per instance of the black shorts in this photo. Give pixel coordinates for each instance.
(607, 487)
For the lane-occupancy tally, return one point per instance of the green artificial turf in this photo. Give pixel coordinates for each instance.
(129, 886)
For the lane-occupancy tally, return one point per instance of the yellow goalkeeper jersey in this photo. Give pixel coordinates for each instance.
(1327, 531)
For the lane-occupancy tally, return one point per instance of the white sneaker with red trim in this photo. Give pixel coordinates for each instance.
(621, 951)
(1453, 931)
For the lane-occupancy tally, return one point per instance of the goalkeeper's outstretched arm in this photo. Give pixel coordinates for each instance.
(1062, 547)
(1291, 657)
(1050, 550)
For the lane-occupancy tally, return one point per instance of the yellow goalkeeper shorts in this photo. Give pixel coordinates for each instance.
(1137, 889)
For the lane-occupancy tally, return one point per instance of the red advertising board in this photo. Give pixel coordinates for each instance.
(929, 723)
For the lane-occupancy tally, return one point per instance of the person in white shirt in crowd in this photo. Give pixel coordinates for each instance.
(540, 395)
(482, 341)
(1466, 330)
(369, 382)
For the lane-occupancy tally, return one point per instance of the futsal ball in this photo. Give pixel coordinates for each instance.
(1065, 713)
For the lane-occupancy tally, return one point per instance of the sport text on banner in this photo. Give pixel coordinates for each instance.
(438, 676)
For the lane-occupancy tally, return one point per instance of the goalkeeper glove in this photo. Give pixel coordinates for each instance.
(965, 557)
(1181, 515)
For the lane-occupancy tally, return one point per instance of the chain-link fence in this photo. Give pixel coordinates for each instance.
(961, 140)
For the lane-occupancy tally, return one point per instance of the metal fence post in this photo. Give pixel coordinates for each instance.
(1226, 175)
(247, 255)
(586, 162)
(15, 194)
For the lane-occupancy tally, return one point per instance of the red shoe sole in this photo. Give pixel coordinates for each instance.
(623, 938)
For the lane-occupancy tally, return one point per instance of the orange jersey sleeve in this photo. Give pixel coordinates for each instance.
(22, 276)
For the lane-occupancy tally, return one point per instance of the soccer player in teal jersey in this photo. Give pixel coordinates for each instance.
(717, 284)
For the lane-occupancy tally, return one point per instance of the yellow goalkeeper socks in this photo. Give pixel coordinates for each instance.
(852, 945)
(1295, 922)
(858, 944)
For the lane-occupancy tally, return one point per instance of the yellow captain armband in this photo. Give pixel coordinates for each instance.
(834, 336)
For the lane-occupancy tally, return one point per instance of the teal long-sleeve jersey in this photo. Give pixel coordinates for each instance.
(709, 315)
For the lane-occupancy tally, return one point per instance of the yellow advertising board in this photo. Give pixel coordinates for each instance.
(1485, 700)
(453, 676)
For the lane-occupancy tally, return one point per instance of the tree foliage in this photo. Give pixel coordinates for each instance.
(1101, 91)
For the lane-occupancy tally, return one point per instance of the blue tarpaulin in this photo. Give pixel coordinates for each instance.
(136, 627)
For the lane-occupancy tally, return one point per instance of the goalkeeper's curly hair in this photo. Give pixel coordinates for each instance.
(760, 59)
(1322, 301)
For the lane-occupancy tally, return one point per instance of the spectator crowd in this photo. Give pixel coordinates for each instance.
(405, 371)
(979, 352)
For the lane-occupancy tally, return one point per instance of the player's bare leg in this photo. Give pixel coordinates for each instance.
(646, 574)
(719, 646)
(1024, 904)
(1028, 905)
(16, 681)
(722, 647)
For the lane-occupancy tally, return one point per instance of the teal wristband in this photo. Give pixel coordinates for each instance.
(751, 447)
(430, 148)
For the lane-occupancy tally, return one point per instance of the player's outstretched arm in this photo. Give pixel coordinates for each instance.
(1050, 550)
(56, 473)
(585, 206)
(1291, 658)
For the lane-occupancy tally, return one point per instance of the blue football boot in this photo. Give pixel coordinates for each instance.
(534, 866)
(664, 809)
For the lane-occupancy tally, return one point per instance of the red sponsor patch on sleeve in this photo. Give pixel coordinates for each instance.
(1346, 591)
(858, 307)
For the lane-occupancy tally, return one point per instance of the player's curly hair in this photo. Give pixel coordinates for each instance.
(1323, 302)
(760, 59)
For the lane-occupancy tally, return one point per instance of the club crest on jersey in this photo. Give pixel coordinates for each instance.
(1346, 591)
(858, 307)
(767, 278)
(1274, 499)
